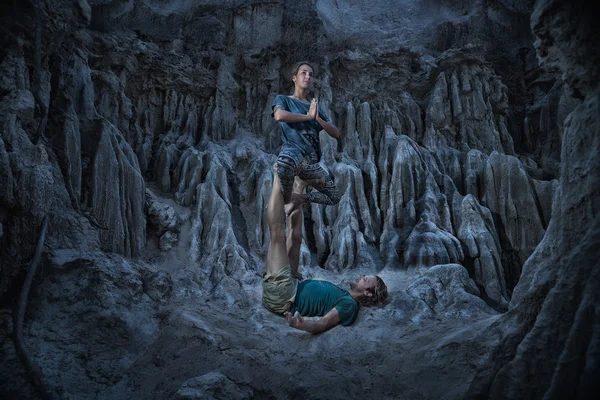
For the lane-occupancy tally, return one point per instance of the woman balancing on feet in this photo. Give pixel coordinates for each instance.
(301, 121)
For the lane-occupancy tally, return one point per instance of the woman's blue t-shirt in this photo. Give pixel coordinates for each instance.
(304, 135)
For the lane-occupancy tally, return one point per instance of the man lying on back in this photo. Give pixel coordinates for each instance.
(285, 294)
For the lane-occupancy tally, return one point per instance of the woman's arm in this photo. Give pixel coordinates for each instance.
(329, 128)
(282, 115)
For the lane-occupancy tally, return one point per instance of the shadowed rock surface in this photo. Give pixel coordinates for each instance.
(468, 167)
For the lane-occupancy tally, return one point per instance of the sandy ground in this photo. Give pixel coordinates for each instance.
(388, 352)
(395, 352)
(392, 358)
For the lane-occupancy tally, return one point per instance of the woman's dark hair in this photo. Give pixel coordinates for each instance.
(298, 65)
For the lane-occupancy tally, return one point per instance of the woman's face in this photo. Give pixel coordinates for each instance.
(303, 77)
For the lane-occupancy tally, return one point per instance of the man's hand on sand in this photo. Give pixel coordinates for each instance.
(295, 321)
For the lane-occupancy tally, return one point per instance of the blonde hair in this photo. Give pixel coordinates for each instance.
(380, 294)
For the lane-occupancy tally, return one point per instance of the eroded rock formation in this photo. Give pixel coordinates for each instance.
(469, 176)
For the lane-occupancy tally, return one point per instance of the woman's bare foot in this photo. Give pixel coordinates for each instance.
(296, 201)
(300, 184)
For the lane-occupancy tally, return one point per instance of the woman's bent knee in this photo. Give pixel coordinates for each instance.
(335, 199)
(286, 167)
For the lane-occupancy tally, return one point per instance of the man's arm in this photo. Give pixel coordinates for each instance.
(331, 319)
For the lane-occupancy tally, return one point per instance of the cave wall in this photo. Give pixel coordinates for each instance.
(548, 340)
(178, 94)
(458, 146)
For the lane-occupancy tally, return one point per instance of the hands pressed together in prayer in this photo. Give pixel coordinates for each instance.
(314, 109)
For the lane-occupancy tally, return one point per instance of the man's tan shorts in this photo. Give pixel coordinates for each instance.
(279, 290)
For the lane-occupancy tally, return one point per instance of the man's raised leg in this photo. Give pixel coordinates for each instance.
(277, 256)
(294, 238)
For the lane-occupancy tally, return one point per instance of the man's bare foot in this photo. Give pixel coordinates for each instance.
(296, 201)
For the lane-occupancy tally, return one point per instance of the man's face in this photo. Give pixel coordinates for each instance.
(364, 283)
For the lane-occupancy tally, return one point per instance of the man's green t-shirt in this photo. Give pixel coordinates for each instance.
(316, 298)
